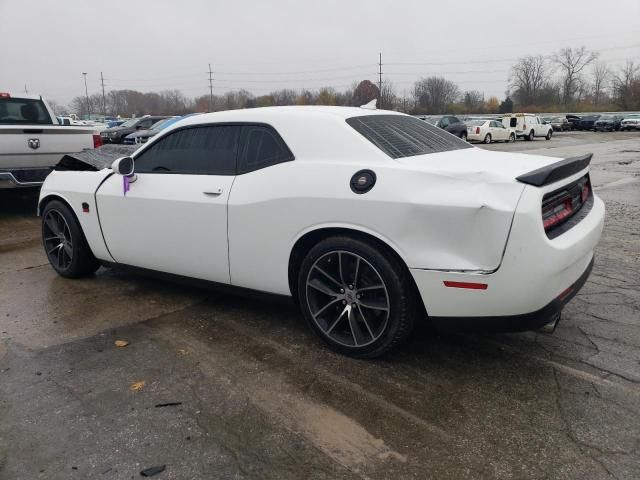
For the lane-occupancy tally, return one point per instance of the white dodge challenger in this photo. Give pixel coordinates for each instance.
(372, 220)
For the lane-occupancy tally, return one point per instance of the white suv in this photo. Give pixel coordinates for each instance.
(528, 126)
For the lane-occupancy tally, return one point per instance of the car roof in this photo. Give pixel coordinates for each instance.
(312, 132)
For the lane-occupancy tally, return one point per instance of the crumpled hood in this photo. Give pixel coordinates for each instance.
(476, 164)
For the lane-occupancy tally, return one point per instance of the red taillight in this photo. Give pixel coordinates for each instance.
(585, 192)
(97, 141)
(557, 214)
(477, 130)
(4, 95)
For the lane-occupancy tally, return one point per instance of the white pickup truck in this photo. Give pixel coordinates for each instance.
(32, 141)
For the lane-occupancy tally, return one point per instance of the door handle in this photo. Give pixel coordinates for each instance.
(214, 193)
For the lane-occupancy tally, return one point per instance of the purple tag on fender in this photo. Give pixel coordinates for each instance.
(125, 185)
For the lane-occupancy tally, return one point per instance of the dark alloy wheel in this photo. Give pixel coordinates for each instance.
(358, 300)
(64, 243)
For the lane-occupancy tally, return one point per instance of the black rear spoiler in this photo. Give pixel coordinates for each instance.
(556, 171)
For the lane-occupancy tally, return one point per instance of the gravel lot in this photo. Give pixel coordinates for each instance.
(253, 394)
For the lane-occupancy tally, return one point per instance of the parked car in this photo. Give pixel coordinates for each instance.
(451, 124)
(32, 140)
(560, 124)
(527, 126)
(631, 122)
(587, 123)
(399, 219)
(573, 120)
(608, 123)
(488, 131)
(117, 134)
(141, 136)
(114, 123)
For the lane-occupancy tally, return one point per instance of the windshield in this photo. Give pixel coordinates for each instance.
(161, 124)
(130, 123)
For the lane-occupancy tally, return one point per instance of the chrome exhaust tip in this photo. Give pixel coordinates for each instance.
(550, 327)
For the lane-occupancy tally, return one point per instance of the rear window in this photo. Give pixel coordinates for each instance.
(23, 111)
(402, 136)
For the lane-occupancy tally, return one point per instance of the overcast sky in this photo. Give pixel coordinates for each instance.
(271, 44)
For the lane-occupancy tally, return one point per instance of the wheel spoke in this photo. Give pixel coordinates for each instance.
(355, 275)
(54, 248)
(374, 307)
(59, 256)
(333, 325)
(52, 224)
(374, 287)
(322, 287)
(328, 276)
(68, 249)
(331, 302)
(352, 326)
(48, 239)
(366, 324)
(340, 268)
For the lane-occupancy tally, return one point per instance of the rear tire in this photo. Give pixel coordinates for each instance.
(359, 299)
(487, 138)
(463, 136)
(64, 242)
(531, 136)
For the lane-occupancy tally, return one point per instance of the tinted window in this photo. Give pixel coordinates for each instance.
(23, 111)
(453, 120)
(262, 147)
(402, 136)
(444, 122)
(201, 150)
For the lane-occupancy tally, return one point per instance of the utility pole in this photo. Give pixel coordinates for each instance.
(86, 93)
(210, 88)
(380, 80)
(104, 101)
(26, 92)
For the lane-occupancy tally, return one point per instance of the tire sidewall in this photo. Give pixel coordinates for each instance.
(397, 290)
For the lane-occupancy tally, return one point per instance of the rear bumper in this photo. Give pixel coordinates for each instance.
(514, 323)
(535, 271)
(33, 177)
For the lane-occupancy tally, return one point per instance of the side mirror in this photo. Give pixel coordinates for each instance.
(123, 166)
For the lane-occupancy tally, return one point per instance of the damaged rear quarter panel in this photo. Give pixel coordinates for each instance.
(453, 221)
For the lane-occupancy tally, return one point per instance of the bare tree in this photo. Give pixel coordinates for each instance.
(600, 74)
(528, 77)
(625, 85)
(435, 94)
(387, 96)
(473, 101)
(572, 61)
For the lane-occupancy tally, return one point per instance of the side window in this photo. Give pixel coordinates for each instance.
(208, 150)
(453, 120)
(144, 124)
(261, 147)
(513, 121)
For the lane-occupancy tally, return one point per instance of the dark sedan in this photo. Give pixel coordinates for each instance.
(451, 124)
(573, 120)
(117, 134)
(587, 123)
(608, 123)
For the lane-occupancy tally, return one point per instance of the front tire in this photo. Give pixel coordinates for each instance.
(64, 242)
(548, 136)
(358, 299)
(512, 138)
